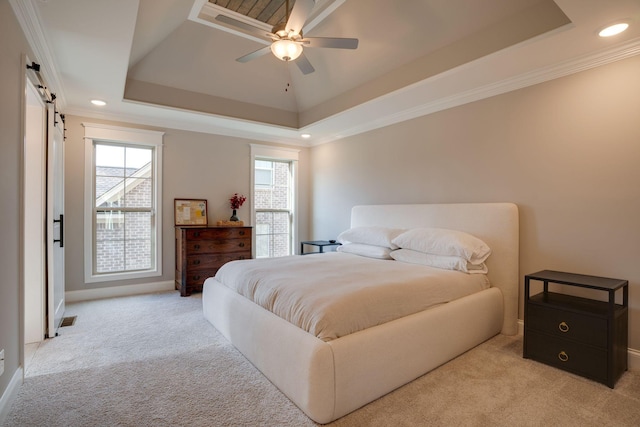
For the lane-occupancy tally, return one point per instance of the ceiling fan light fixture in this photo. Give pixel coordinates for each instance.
(286, 50)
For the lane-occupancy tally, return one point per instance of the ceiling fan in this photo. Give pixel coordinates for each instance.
(287, 41)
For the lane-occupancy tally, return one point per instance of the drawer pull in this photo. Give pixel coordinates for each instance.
(196, 247)
(196, 277)
(563, 327)
(242, 244)
(563, 356)
(196, 234)
(242, 232)
(196, 262)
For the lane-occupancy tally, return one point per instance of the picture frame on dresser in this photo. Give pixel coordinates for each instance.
(190, 212)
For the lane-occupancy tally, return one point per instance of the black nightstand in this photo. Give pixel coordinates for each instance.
(580, 335)
(320, 243)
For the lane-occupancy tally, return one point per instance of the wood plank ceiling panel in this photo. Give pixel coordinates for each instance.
(271, 12)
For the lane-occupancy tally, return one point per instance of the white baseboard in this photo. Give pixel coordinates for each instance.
(633, 354)
(118, 291)
(634, 360)
(10, 394)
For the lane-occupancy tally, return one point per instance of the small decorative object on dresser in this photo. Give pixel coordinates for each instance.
(236, 202)
(201, 251)
(584, 336)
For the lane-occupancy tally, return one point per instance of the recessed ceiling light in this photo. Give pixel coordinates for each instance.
(614, 29)
(305, 135)
(98, 102)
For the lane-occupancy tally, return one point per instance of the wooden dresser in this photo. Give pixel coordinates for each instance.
(201, 251)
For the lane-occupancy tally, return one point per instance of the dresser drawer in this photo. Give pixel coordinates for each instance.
(208, 261)
(587, 329)
(194, 277)
(218, 233)
(197, 277)
(217, 246)
(571, 356)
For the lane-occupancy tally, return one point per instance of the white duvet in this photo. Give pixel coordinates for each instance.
(335, 294)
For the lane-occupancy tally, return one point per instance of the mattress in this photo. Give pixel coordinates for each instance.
(335, 294)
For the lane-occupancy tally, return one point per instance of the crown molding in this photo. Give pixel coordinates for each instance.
(230, 129)
(29, 20)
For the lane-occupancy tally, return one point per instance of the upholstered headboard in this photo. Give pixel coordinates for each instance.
(496, 224)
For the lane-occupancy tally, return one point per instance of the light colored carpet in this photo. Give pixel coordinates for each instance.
(153, 360)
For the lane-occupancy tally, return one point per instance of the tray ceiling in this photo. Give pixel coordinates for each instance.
(270, 12)
(169, 62)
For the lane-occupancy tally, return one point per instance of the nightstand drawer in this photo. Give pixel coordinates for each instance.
(571, 356)
(562, 324)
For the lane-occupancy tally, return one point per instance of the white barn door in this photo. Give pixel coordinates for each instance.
(34, 212)
(55, 221)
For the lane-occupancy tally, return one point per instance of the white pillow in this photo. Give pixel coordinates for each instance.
(377, 236)
(445, 262)
(440, 241)
(370, 251)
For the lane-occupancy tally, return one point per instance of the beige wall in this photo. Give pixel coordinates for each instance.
(195, 165)
(567, 152)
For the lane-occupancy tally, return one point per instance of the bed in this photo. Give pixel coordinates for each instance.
(329, 378)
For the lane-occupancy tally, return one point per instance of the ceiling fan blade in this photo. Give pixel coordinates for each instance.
(253, 55)
(332, 42)
(250, 29)
(304, 64)
(299, 14)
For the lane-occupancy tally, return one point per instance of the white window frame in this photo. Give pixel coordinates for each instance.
(281, 154)
(130, 136)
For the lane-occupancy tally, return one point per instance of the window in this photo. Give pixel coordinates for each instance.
(263, 174)
(122, 195)
(274, 178)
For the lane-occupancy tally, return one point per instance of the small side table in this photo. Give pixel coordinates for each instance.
(581, 335)
(319, 243)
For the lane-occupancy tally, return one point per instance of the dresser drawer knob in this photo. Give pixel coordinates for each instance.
(563, 356)
(196, 247)
(242, 244)
(563, 327)
(196, 262)
(242, 232)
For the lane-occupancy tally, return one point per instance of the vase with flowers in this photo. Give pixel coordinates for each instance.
(236, 201)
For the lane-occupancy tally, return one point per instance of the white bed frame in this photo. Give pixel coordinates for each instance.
(328, 380)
